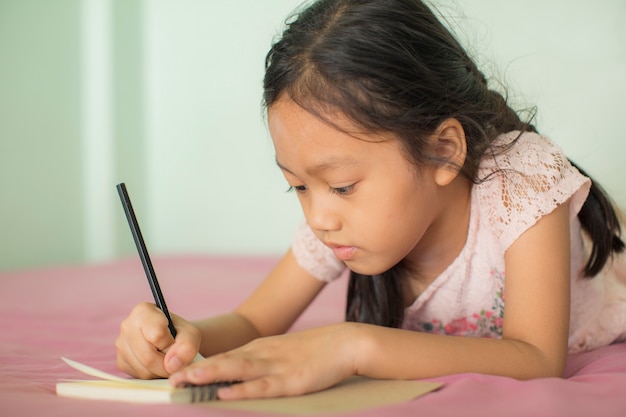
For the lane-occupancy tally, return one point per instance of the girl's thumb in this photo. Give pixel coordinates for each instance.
(173, 364)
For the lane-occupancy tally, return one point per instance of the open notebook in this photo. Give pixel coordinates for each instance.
(353, 394)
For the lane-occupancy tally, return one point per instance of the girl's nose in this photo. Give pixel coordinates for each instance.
(321, 215)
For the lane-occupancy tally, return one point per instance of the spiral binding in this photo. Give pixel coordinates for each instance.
(200, 393)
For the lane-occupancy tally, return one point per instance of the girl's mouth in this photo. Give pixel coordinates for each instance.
(344, 252)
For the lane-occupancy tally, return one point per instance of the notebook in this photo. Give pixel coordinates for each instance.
(111, 387)
(353, 394)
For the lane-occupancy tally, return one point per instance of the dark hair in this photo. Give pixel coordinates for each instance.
(392, 66)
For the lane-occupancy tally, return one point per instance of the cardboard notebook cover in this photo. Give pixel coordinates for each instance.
(353, 394)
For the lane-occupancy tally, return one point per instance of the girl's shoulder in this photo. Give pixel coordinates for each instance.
(526, 154)
(521, 179)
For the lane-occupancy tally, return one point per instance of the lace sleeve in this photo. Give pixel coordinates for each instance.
(527, 182)
(314, 257)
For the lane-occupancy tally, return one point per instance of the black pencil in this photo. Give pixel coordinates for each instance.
(143, 254)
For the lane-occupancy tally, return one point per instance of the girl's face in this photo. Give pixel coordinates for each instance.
(359, 193)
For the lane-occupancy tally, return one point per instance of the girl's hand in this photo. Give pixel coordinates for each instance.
(145, 347)
(275, 366)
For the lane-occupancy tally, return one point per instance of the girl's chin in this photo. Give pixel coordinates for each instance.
(359, 268)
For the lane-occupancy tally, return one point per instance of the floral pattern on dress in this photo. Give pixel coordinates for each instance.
(485, 323)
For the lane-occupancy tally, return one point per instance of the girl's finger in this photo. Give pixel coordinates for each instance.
(143, 335)
(185, 347)
(141, 361)
(223, 367)
(263, 387)
(154, 328)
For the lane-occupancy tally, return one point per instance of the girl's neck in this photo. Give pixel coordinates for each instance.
(444, 240)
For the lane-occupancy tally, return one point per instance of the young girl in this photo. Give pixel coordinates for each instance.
(453, 215)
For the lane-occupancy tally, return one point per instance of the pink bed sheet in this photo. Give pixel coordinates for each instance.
(75, 312)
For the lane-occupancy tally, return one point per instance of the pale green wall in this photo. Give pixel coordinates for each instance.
(41, 219)
(128, 113)
(59, 204)
(182, 125)
(214, 186)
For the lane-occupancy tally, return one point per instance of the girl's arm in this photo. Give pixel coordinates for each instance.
(534, 342)
(270, 310)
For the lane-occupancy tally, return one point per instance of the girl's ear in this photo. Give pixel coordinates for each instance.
(449, 144)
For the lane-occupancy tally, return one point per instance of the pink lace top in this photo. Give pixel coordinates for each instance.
(529, 181)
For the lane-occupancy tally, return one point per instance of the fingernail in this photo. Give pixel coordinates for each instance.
(224, 393)
(195, 373)
(174, 364)
(176, 378)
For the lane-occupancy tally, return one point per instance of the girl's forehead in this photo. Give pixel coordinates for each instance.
(294, 130)
(323, 164)
(288, 119)
(306, 146)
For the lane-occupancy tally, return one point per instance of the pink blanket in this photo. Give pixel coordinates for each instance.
(76, 311)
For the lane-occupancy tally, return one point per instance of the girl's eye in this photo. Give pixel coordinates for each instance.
(338, 190)
(343, 190)
(297, 188)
